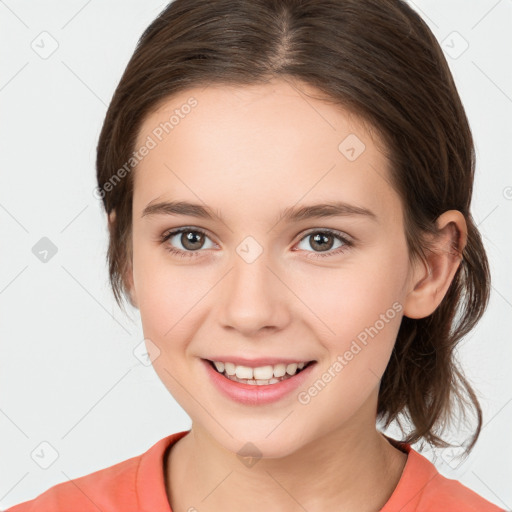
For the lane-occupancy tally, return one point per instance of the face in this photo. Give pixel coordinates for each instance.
(259, 276)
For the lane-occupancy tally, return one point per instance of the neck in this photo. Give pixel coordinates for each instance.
(349, 469)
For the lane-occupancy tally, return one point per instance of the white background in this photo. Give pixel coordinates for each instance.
(68, 373)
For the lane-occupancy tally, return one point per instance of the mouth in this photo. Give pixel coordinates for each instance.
(261, 375)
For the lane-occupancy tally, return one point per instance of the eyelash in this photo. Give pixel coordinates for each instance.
(191, 254)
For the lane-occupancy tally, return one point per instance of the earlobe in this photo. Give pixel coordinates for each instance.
(431, 279)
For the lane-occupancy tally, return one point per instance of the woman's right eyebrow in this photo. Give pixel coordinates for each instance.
(180, 208)
(291, 214)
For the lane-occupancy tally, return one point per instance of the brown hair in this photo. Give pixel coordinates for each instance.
(376, 58)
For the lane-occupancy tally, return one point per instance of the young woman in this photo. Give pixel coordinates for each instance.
(288, 187)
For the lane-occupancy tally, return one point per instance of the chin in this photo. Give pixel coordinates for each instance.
(251, 443)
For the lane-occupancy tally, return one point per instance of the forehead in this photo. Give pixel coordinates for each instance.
(260, 144)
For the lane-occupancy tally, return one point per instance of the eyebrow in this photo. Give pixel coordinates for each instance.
(291, 214)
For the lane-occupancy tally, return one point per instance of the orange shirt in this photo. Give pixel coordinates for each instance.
(137, 485)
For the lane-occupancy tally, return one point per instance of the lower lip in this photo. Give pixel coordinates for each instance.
(254, 394)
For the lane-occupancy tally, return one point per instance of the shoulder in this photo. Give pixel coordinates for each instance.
(454, 496)
(87, 492)
(127, 485)
(423, 489)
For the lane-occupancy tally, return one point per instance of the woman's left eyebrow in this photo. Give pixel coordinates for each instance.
(291, 214)
(331, 209)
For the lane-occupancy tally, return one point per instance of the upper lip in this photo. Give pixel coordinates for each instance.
(259, 361)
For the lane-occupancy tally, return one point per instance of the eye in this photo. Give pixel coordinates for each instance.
(187, 242)
(191, 241)
(323, 241)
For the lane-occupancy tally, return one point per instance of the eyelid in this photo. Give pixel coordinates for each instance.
(340, 234)
(175, 231)
(168, 234)
(347, 240)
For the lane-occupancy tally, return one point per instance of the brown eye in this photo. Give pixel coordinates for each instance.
(321, 241)
(192, 240)
(186, 241)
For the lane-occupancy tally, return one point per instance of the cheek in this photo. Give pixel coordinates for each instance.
(159, 291)
(361, 314)
(354, 296)
(358, 309)
(169, 296)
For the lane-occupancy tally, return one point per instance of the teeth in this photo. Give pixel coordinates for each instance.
(279, 370)
(258, 382)
(244, 372)
(261, 375)
(291, 369)
(263, 372)
(219, 366)
(230, 368)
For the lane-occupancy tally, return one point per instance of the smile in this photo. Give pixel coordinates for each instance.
(259, 385)
(260, 375)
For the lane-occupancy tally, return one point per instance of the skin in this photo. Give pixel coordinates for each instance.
(248, 153)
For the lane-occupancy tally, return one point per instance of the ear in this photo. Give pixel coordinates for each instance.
(429, 284)
(128, 270)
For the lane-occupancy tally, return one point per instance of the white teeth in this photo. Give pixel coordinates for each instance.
(230, 368)
(263, 372)
(219, 366)
(279, 370)
(291, 369)
(268, 374)
(244, 372)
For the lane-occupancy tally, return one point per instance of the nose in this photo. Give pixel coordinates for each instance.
(253, 298)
